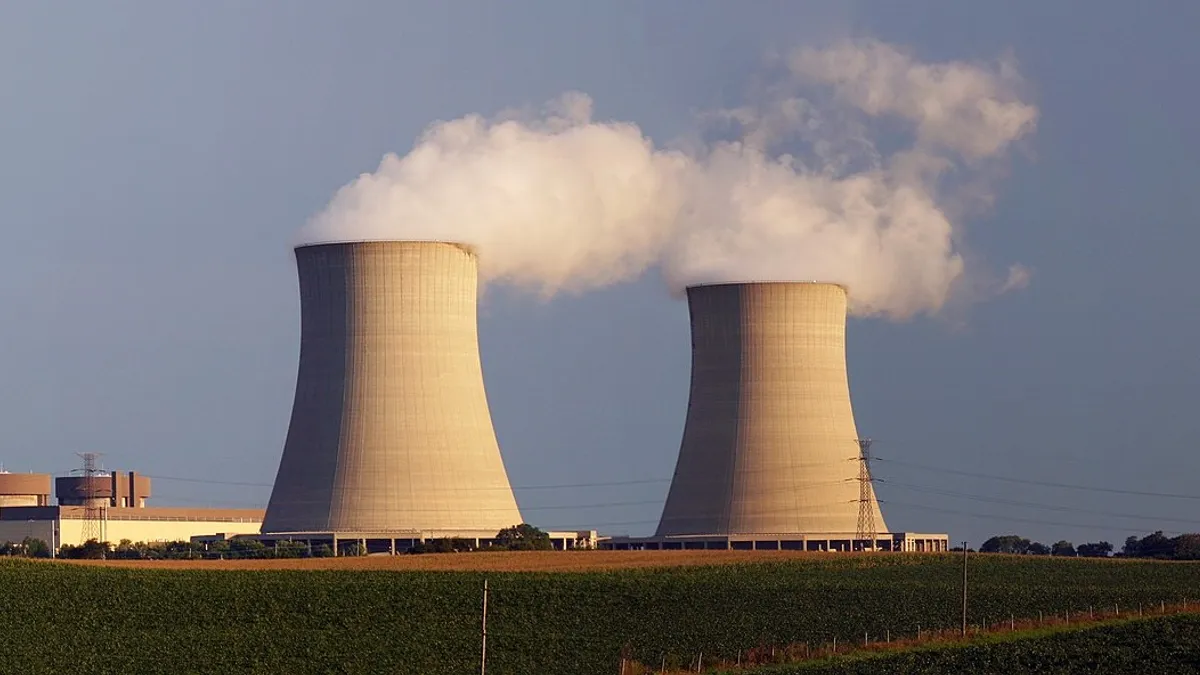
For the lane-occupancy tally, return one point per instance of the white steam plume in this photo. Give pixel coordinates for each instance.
(804, 192)
(849, 171)
(556, 202)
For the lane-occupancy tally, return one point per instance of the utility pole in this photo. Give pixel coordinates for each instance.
(866, 512)
(964, 612)
(483, 653)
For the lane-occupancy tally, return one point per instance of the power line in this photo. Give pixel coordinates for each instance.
(1034, 505)
(1027, 481)
(989, 516)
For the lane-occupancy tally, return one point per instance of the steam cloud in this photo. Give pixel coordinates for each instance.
(847, 171)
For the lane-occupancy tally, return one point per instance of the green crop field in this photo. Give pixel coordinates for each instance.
(60, 618)
(1159, 645)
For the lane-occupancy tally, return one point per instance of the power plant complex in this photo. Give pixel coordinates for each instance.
(391, 440)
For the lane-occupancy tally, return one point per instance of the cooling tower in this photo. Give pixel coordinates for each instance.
(390, 428)
(769, 445)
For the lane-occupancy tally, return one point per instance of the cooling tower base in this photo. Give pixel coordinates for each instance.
(901, 542)
(396, 542)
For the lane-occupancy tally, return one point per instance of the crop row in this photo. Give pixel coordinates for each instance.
(1159, 645)
(63, 617)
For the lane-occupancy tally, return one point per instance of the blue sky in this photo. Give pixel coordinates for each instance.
(156, 160)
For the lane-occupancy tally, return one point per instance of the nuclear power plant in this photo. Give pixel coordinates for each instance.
(390, 428)
(771, 457)
(391, 442)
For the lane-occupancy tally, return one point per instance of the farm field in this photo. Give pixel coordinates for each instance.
(164, 618)
(1158, 645)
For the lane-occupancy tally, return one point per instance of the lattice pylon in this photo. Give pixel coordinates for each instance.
(866, 497)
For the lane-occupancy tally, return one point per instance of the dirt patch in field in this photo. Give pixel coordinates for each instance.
(507, 561)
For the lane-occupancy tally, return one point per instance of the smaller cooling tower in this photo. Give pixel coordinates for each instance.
(390, 429)
(769, 444)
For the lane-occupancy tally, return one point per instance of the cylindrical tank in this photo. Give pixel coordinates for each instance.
(390, 428)
(769, 444)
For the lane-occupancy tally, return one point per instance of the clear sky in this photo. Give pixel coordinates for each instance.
(156, 160)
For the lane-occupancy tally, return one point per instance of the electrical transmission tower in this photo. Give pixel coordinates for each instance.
(866, 512)
(93, 510)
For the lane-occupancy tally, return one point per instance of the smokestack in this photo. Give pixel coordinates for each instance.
(770, 445)
(390, 428)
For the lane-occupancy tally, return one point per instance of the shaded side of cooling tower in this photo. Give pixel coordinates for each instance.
(769, 444)
(390, 428)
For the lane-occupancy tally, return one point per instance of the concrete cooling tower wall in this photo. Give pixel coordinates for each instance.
(769, 445)
(390, 429)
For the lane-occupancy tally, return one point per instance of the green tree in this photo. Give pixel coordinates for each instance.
(1038, 548)
(523, 537)
(247, 548)
(1131, 547)
(1007, 543)
(352, 548)
(1063, 548)
(1156, 545)
(1187, 547)
(1095, 550)
(35, 548)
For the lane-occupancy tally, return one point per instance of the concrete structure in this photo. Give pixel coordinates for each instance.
(390, 428)
(24, 489)
(120, 501)
(770, 448)
(395, 543)
(832, 541)
(107, 489)
(58, 525)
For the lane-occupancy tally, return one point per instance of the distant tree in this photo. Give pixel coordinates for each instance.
(127, 550)
(1038, 548)
(35, 548)
(1095, 550)
(88, 550)
(1008, 543)
(1132, 547)
(247, 548)
(1156, 545)
(1187, 547)
(291, 549)
(523, 537)
(322, 551)
(449, 545)
(1063, 548)
(219, 549)
(352, 549)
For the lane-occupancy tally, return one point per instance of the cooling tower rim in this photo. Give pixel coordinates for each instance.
(770, 282)
(346, 242)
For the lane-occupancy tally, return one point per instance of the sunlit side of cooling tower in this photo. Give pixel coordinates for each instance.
(390, 428)
(769, 445)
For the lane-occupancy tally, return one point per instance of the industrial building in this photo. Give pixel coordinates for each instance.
(390, 429)
(108, 506)
(770, 455)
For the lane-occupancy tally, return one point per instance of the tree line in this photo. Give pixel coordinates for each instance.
(522, 537)
(1154, 545)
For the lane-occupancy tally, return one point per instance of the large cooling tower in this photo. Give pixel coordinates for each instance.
(769, 445)
(390, 428)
